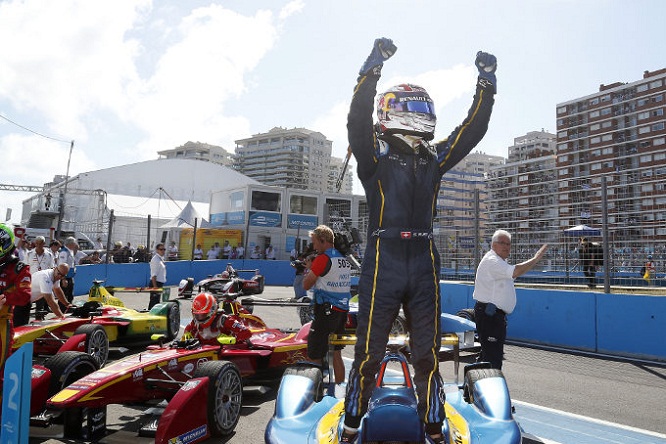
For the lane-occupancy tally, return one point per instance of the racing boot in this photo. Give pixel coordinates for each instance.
(348, 435)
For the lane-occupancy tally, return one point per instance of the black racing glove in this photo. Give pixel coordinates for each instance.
(382, 50)
(487, 65)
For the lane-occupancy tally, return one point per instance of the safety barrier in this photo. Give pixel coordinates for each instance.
(617, 324)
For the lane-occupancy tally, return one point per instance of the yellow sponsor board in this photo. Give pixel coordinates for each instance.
(206, 237)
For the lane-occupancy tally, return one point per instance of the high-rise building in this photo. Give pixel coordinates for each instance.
(522, 193)
(291, 158)
(619, 134)
(199, 151)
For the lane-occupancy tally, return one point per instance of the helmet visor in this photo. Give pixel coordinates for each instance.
(412, 104)
(201, 317)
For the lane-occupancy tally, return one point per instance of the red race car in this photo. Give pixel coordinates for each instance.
(228, 283)
(203, 383)
(101, 320)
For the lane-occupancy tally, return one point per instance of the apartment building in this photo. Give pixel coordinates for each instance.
(618, 134)
(291, 158)
(199, 151)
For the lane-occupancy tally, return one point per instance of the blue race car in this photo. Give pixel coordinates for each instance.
(478, 411)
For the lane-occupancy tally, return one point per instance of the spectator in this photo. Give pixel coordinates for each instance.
(270, 253)
(226, 250)
(198, 253)
(240, 252)
(495, 295)
(39, 258)
(173, 251)
(218, 250)
(67, 256)
(256, 253)
(55, 246)
(157, 274)
(212, 253)
(141, 254)
(99, 245)
(650, 270)
(92, 259)
(589, 256)
(22, 248)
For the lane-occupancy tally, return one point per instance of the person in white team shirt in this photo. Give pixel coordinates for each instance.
(495, 295)
(45, 284)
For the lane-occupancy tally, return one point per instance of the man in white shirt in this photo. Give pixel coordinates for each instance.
(157, 274)
(40, 258)
(68, 256)
(45, 283)
(240, 252)
(495, 295)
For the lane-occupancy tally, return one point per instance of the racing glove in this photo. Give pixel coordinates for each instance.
(487, 65)
(382, 50)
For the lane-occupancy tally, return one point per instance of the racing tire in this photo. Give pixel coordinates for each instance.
(312, 373)
(225, 395)
(466, 313)
(67, 367)
(399, 326)
(305, 314)
(173, 320)
(474, 375)
(97, 342)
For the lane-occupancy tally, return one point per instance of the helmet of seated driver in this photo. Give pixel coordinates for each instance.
(6, 243)
(204, 307)
(406, 109)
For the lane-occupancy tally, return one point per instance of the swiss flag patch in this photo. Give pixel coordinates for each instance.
(405, 235)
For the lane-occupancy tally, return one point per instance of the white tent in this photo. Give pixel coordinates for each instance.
(186, 219)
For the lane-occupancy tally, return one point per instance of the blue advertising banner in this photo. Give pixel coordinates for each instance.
(16, 397)
(305, 222)
(218, 219)
(236, 217)
(265, 219)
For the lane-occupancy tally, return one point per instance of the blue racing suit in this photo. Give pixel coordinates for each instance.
(401, 263)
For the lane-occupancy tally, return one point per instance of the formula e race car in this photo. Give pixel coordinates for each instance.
(101, 320)
(223, 284)
(477, 411)
(202, 383)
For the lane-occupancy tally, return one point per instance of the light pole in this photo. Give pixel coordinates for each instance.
(61, 210)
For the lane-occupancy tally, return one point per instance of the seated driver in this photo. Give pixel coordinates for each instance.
(208, 323)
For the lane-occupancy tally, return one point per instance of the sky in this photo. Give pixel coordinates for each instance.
(117, 81)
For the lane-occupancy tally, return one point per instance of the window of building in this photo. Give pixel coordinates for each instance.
(561, 110)
(646, 159)
(562, 135)
(606, 124)
(658, 126)
(658, 112)
(594, 101)
(606, 137)
(659, 156)
(596, 166)
(563, 172)
(594, 114)
(656, 84)
(642, 102)
(605, 98)
(564, 158)
(607, 151)
(643, 130)
(647, 188)
(605, 111)
(642, 88)
(657, 98)
(595, 127)
(237, 200)
(643, 116)
(302, 204)
(659, 141)
(646, 173)
(265, 201)
(595, 140)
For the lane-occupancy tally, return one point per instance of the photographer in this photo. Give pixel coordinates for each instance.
(330, 278)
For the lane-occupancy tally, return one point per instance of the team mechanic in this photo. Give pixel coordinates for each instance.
(401, 173)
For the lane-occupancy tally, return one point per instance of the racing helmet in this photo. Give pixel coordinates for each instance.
(224, 275)
(204, 307)
(408, 110)
(6, 243)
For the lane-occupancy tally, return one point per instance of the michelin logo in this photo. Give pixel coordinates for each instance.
(190, 436)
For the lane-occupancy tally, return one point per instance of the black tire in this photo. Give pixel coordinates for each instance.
(472, 376)
(67, 367)
(225, 395)
(173, 320)
(306, 314)
(97, 342)
(311, 373)
(399, 326)
(466, 313)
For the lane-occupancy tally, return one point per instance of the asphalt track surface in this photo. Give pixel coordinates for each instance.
(560, 397)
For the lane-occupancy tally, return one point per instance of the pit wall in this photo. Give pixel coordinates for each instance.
(616, 324)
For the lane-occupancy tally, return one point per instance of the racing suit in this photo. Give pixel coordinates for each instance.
(401, 263)
(15, 286)
(222, 324)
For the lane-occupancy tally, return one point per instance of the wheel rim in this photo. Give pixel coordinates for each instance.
(229, 396)
(98, 346)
